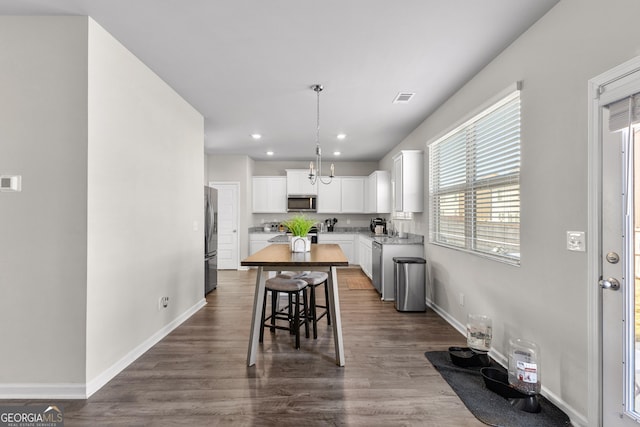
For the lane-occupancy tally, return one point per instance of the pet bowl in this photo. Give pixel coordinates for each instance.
(498, 382)
(467, 358)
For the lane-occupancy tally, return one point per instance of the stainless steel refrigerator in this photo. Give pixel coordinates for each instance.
(210, 239)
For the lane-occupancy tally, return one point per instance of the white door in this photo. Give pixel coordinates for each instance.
(228, 236)
(617, 397)
(618, 155)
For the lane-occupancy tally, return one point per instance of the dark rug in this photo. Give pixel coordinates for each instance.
(490, 407)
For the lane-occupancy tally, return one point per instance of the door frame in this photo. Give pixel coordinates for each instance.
(237, 185)
(596, 99)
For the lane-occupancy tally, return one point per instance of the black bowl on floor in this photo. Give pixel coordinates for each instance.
(498, 382)
(467, 358)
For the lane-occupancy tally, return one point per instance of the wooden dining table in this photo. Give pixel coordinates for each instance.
(278, 257)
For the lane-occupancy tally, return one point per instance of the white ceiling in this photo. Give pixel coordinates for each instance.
(248, 65)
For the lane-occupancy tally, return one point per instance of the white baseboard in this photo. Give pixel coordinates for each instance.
(43, 391)
(83, 391)
(576, 418)
(98, 382)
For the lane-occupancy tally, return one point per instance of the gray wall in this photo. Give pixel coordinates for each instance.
(43, 134)
(105, 221)
(276, 168)
(545, 299)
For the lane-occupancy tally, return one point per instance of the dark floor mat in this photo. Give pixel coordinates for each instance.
(487, 406)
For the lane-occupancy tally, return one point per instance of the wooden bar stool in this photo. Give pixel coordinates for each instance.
(291, 314)
(313, 279)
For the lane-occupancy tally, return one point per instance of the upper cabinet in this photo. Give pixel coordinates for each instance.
(378, 192)
(298, 183)
(344, 194)
(269, 194)
(408, 181)
(352, 194)
(330, 196)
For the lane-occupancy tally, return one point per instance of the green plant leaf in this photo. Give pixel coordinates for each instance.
(299, 225)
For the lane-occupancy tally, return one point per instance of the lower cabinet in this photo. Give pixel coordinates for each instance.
(364, 254)
(346, 242)
(259, 241)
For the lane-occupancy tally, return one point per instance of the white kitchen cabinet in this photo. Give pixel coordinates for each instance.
(330, 196)
(344, 194)
(258, 241)
(269, 194)
(346, 242)
(352, 194)
(364, 254)
(378, 195)
(408, 181)
(298, 183)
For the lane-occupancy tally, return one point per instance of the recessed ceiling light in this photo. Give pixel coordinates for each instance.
(269, 153)
(341, 136)
(256, 136)
(336, 153)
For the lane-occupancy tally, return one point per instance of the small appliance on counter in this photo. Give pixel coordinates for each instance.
(330, 223)
(378, 226)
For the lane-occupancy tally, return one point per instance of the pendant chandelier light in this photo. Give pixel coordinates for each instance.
(315, 172)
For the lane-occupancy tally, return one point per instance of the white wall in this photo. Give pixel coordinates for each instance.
(145, 195)
(43, 137)
(545, 299)
(110, 159)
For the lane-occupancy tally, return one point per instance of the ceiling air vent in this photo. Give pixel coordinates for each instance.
(403, 97)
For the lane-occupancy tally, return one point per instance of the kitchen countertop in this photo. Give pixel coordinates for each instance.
(412, 239)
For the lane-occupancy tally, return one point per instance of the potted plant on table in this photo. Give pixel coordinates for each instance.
(299, 226)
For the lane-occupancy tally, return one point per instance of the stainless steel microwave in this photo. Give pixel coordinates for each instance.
(301, 203)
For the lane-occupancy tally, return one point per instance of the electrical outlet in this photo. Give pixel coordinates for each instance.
(461, 299)
(163, 302)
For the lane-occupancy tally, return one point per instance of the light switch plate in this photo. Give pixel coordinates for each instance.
(10, 183)
(576, 241)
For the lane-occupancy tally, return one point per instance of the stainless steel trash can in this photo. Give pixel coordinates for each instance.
(409, 274)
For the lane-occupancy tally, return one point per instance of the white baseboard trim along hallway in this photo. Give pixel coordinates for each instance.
(84, 391)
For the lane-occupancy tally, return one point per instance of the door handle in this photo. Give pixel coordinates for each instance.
(610, 283)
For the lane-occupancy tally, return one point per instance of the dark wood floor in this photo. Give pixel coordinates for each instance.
(197, 376)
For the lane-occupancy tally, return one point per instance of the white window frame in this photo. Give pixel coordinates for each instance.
(458, 147)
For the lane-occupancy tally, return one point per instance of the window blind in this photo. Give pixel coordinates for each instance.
(624, 112)
(474, 183)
